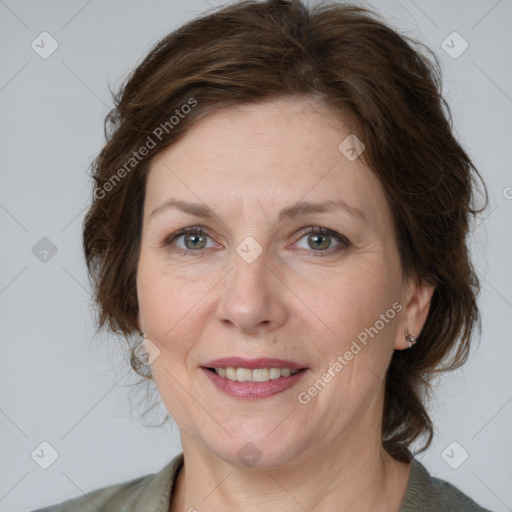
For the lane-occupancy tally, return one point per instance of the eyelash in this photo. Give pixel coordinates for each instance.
(343, 241)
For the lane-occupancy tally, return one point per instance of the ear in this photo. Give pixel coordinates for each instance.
(416, 305)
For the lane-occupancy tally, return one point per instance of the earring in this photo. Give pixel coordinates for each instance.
(410, 339)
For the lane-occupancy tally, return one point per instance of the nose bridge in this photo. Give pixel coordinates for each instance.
(249, 278)
(250, 298)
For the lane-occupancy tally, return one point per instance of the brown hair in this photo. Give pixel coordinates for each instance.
(374, 78)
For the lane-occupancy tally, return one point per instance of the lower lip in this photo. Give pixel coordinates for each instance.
(253, 390)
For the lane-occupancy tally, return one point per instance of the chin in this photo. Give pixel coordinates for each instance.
(258, 450)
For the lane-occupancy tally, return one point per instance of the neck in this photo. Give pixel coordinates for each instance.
(345, 479)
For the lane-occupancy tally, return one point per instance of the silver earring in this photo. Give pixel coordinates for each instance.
(410, 339)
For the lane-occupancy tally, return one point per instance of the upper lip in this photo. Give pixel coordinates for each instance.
(260, 362)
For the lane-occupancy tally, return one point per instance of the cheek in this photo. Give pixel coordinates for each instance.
(350, 304)
(170, 313)
(171, 305)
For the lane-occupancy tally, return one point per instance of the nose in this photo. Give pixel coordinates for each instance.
(252, 297)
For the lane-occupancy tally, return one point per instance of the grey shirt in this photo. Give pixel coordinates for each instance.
(151, 493)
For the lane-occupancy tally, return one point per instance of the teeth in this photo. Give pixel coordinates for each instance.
(274, 373)
(243, 374)
(260, 375)
(257, 375)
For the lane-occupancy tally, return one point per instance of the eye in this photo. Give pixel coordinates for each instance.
(320, 240)
(191, 239)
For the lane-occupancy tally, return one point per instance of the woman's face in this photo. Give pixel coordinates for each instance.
(258, 283)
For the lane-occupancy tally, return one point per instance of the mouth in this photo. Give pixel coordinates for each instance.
(253, 375)
(255, 378)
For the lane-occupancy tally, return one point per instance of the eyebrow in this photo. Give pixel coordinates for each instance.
(301, 208)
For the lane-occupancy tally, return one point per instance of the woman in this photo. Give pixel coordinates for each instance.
(280, 214)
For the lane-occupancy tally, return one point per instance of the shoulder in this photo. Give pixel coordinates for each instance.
(150, 493)
(428, 494)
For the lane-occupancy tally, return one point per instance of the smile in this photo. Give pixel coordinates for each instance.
(253, 375)
(253, 383)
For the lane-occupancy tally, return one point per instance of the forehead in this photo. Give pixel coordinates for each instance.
(271, 154)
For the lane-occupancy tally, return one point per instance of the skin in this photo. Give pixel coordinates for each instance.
(246, 164)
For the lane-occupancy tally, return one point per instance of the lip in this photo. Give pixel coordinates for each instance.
(253, 390)
(253, 364)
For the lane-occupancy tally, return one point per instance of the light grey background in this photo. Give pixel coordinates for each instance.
(60, 387)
